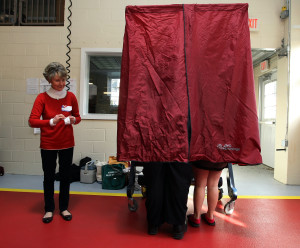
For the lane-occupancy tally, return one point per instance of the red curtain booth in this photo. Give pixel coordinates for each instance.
(187, 87)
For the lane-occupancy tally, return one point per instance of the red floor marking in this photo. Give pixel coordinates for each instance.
(105, 221)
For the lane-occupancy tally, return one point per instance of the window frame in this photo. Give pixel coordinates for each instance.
(84, 81)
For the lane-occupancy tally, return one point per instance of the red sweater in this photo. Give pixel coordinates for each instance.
(59, 136)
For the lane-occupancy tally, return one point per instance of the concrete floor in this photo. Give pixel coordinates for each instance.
(259, 181)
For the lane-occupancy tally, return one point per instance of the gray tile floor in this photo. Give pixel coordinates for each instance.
(11, 181)
(249, 181)
(259, 181)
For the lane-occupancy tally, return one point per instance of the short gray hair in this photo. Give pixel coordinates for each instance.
(55, 68)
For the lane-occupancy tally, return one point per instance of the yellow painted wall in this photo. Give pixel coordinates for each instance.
(293, 168)
(25, 51)
(280, 170)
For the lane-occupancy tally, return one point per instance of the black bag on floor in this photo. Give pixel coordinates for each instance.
(1, 171)
(83, 161)
(75, 169)
(74, 174)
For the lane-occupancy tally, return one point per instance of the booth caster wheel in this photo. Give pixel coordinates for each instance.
(229, 207)
(143, 190)
(132, 205)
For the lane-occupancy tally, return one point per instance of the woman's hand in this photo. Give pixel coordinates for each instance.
(72, 119)
(58, 118)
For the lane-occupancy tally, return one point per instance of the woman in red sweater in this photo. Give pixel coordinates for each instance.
(59, 111)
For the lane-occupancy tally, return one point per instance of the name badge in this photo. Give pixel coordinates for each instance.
(66, 108)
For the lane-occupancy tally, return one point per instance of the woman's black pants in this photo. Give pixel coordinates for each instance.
(49, 158)
(167, 188)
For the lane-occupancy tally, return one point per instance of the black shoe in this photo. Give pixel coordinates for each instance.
(66, 217)
(47, 219)
(179, 230)
(152, 229)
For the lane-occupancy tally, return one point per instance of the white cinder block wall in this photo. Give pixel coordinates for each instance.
(25, 51)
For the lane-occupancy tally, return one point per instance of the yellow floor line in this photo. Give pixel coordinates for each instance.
(71, 192)
(22, 190)
(140, 195)
(268, 197)
(102, 193)
(261, 197)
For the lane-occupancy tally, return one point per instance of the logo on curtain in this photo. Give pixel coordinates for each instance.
(227, 147)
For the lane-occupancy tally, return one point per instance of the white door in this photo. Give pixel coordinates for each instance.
(268, 118)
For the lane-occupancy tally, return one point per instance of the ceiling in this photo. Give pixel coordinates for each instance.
(105, 63)
(259, 55)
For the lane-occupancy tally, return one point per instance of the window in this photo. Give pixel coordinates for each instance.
(100, 83)
(32, 12)
(268, 83)
(269, 103)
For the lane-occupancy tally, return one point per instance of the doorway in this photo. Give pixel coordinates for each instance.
(268, 83)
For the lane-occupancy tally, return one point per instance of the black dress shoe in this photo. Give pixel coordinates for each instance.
(152, 229)
(66, 217)
(179, 230)
(47, 219)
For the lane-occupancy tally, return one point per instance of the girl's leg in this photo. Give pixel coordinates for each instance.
(199, 190)
(212, 192)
